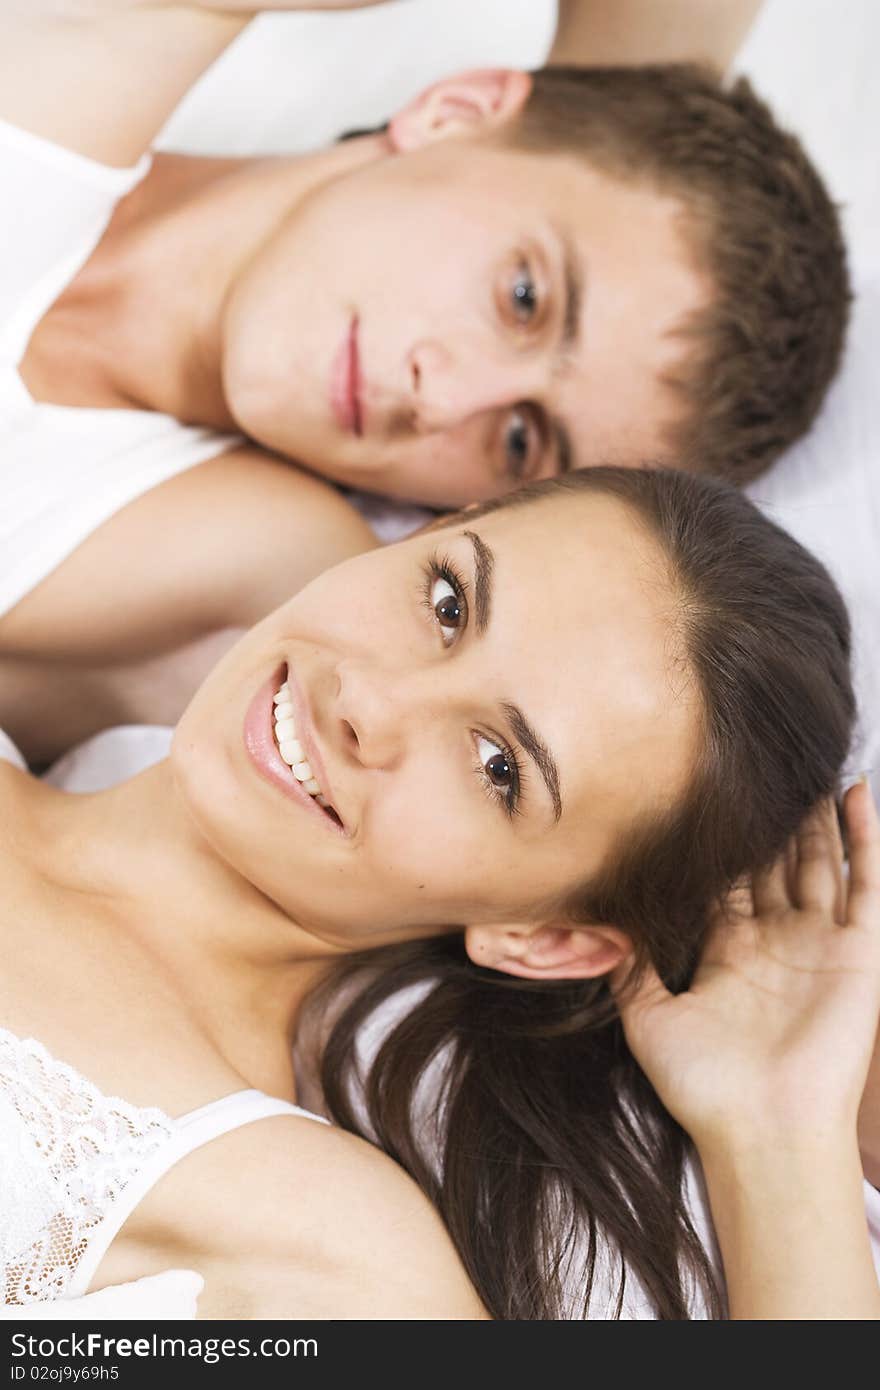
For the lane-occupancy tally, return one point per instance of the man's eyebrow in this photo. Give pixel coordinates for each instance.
(538, 752)
(484, 568)
(564, 450)
(573, 281)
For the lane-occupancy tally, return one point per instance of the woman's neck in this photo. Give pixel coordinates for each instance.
(137, 851)
(141, 324)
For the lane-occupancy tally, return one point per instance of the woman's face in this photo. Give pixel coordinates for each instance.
(486, 707)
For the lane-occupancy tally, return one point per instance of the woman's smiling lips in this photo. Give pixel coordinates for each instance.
(259, 740)
(306, 734)
(345, 383)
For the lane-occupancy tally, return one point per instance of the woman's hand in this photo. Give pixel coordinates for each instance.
(774, 1038)
(763, 1061)
(255, 6)
(99, 9)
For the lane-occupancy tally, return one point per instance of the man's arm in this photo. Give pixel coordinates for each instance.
(101, 77)
(104, 87)
(607, 32)
(217, 546)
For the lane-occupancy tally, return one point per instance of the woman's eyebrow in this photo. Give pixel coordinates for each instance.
(484, 569)
(538, 752)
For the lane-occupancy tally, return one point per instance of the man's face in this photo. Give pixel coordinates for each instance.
(448, 321)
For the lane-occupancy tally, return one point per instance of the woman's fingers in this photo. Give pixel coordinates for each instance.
(840, 881)
(771, 889)
(740, 901)
(819, 874)
(635, 992)
(863, 833)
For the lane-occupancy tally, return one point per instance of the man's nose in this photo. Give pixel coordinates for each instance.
(452, 383)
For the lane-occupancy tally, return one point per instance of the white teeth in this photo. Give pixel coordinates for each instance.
(290, 752)
(290, 747)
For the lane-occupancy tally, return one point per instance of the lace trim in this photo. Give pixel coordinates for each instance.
(67, 1150)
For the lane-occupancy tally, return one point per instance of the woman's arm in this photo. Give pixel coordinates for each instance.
(791, 1228)
(869, 1122)
(288, 1218)
(608, 32)
(101, 77)
(764, 1062)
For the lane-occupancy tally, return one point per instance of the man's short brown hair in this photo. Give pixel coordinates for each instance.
(759, 357)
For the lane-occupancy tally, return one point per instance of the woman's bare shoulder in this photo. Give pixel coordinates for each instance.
(290, 1218)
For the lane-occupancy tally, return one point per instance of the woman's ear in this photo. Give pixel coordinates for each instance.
(468, 103)
(549, 952)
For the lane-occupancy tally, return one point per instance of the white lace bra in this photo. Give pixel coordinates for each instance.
(74, 1164)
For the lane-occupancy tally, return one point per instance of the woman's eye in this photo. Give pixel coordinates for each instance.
(499, 770)
(448, 608)
(495, 763)
(524, 295)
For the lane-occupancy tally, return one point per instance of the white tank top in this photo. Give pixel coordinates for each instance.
(63, 470)
(74, 1164)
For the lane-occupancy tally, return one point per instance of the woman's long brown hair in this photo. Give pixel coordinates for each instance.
(516, 1105)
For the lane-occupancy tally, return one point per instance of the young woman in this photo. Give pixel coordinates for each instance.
(464, 340)
(508, 759)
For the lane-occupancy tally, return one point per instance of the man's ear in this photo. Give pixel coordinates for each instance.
(468, 103)
(553, 951)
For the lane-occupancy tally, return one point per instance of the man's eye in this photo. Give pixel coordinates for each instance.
(523, 294)
(521, 444)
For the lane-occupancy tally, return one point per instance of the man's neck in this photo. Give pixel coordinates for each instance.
(141, 325)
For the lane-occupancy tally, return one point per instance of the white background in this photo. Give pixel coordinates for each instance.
(295, 81)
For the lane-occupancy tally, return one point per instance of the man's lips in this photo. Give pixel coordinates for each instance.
(345, 383)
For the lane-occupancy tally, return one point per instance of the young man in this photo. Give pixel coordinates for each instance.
(518, 276)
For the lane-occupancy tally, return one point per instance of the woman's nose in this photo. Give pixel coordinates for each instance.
(450, 384)
(371, 709)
